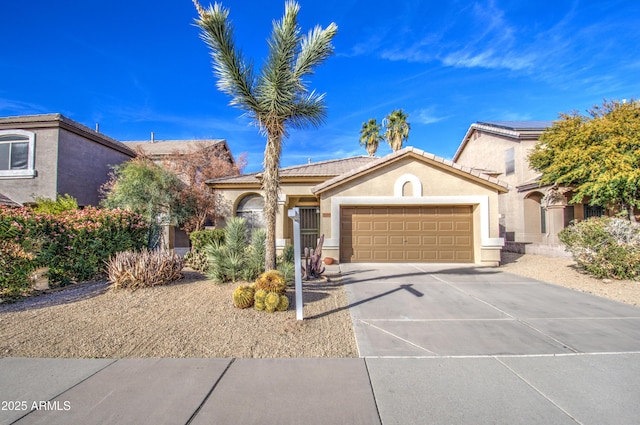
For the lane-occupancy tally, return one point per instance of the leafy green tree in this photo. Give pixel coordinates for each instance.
(278, 97)
(371, 136)
(147, 189)
(597, 155)
(396, 129)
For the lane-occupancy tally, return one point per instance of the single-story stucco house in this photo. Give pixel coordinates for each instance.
(409, 206)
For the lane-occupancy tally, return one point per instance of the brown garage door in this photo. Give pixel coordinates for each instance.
(438, 234)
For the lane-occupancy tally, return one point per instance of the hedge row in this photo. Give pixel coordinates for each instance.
(74, 245)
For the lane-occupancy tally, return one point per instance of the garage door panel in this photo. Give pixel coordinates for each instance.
(429, 226)
(364, 240)
(412, 240)
(413, 226)
(463, 241)
(381, 226)
(447, 241)
(396, 226)
(445, 226)
(407, 233)
(382, 240)
(363, 226)
(429, 241)
(462, 226)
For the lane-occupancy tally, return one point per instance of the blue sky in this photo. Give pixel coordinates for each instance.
(138, 66)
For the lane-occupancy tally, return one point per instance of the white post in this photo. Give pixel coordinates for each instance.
(294, 214)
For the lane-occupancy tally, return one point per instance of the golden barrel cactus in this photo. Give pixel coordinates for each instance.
(243, 296)
(271, 281)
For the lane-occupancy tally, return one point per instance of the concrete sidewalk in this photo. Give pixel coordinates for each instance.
(569, 389)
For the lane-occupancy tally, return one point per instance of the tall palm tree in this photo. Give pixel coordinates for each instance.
(371, 136)
(397, 129)
(277, 98)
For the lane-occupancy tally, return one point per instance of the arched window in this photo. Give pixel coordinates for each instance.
(251, 207)
(17, 151)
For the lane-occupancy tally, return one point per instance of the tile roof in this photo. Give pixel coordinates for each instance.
(5, 200)
(59, 120)
(166, 147)
(530, 130)
(404, 152)
(330, 168)
(519, 125)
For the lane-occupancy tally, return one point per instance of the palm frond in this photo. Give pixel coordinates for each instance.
(235, 76)
(277, 86)
(308, 111)
(315, 48)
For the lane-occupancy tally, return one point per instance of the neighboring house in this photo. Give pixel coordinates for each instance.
(161, 152)
(409, 206)
(46, 155)
(530, 217)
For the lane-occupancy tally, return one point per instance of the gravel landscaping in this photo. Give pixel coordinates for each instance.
(565, 272)
(196, 318)
(190, 318)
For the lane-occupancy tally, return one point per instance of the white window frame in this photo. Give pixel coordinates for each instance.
(509, 161)
(30, 172)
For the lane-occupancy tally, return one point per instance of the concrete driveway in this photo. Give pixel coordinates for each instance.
(464, 345)
(421, 310)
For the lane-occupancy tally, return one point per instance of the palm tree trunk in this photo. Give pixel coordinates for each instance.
(270, 185)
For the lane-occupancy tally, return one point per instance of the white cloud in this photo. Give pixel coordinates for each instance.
(490, 59)
(17, 107)
(426, 116)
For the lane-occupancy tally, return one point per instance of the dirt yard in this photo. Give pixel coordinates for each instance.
(190, 318)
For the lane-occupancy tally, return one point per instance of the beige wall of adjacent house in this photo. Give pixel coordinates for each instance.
(490, 150)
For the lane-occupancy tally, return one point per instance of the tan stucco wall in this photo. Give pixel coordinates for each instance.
(487, 151)
(439, 186)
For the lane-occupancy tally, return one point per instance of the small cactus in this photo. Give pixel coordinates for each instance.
(283, 305)
(259, 305)
(243, 296)
(260, 294)
(271, 281)
(271, 301)
(313, 261)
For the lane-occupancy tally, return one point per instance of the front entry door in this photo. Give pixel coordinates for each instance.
(309, 227)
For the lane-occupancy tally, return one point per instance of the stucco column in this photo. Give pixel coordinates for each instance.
(281, 216)
(555, 223)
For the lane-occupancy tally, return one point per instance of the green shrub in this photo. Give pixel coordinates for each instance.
(605, 246)
(288, 272)
(146, 268)
(49, 206)
(197, 261)
(16, 265)
(234, 258)
(255, 254)
(75, 244)
(287, 256)
(201, 238)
